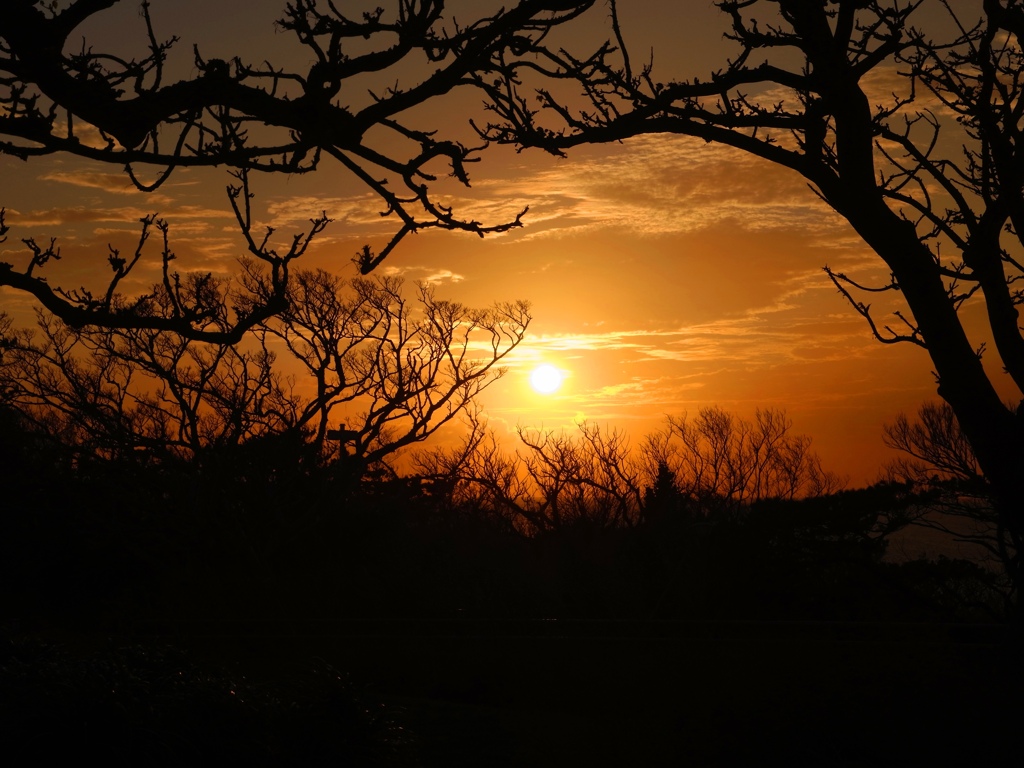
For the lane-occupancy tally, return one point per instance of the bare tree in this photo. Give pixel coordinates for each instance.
(555, 481)
(403, 369)
(722, 462)
(590, 478)
(410, 367)
(939, 199)
(56, 91)
(480, 474)
(715, 463)
(940, 464)
(114, 393)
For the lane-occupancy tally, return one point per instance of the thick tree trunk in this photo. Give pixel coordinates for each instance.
(993, 429)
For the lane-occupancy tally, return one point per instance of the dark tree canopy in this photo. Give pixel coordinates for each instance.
(56, 91)
(930, 176)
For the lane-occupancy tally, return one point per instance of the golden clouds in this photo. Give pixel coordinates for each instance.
(657, 185)
(115, 183)
(421, 274)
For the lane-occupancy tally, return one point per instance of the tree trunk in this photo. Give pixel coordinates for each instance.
(992, 428)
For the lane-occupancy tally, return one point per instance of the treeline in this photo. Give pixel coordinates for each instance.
(267, 530)
(150, 477)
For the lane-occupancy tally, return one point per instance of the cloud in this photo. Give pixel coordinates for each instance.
(787, 329)
(428, 275)
(652, 185)
(57, 217)
(361, 213)
(80, 214)
(117, 183)
(664, 390)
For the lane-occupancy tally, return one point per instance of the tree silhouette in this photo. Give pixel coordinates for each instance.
(722, 463)
(714, 465)
(937, 193)
(249, 118)
(938, 461)
(401, 368)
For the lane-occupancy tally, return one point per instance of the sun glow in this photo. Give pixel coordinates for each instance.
(546, 379)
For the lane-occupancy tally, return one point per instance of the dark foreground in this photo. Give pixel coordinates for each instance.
(783, 633)
(518, 694)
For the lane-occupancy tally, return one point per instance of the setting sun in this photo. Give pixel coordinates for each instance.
(546, 379)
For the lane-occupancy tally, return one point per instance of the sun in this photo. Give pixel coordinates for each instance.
(546, 379)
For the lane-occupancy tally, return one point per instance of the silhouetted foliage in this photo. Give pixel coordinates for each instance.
(663, 500)
(259, 532)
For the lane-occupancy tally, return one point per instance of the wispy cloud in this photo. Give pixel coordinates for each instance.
(422, 274)
(117, 183)
(360, 213)
(80, 214)
(654, 185)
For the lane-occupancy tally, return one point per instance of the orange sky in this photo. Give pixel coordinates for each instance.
(665, 274)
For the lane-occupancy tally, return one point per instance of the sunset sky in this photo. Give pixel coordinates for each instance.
(665, 274)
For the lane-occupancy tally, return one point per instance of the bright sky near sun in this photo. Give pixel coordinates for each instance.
(665, 274)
